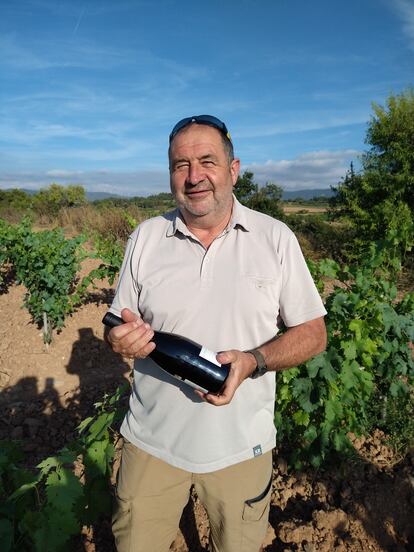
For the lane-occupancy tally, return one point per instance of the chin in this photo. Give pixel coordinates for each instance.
(197, 212)
(198, 209)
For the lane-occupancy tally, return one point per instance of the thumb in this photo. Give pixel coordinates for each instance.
(129, 316)
(227, 357)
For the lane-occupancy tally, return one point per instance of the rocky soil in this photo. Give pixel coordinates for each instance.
(366, 505)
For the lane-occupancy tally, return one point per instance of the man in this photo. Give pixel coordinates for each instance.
(224, 276)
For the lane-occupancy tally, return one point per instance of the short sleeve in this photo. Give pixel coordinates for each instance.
(127, 292)
(299, 298)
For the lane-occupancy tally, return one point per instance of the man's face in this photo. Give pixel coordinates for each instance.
(201, 177)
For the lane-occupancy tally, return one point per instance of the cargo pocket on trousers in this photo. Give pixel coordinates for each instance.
(254, 508)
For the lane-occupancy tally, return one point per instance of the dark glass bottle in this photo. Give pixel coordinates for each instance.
(184, 359)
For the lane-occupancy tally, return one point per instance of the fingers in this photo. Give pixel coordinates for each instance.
(133, 338)
(224, 396)
(138, 342)
(226, 393)
(221, 398)
(240, 368)
(129, 316)
(228, 357)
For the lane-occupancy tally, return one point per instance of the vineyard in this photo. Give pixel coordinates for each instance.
(344, 466)
(350, 406)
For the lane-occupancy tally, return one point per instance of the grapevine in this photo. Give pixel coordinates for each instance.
(47, 264)
(43, 510)
(368, 359)
(366, 372)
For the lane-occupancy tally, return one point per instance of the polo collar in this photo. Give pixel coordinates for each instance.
(238, 219)
(239, 216)
(177, 224)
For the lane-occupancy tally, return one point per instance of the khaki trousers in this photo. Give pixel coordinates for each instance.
(151, 495)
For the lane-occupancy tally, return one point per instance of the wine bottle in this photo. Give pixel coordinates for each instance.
(184, 359)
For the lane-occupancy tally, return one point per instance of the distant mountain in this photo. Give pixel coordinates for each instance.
(287, 194)
(94, 196)
(26, 191)
(307, 194)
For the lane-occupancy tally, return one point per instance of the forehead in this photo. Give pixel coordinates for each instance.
(196, 138)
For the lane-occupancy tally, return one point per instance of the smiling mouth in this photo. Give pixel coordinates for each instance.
(197, 193)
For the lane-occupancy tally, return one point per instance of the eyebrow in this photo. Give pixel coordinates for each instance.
(205, 157)
(208, 156)
(175, 162)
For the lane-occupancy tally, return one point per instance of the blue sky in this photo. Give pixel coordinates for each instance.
(89, 90)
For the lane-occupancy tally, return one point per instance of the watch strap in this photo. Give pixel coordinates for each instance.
(261, 367)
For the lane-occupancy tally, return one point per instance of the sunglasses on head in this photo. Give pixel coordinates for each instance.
(201, 120)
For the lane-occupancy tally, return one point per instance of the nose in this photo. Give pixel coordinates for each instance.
(195, 174)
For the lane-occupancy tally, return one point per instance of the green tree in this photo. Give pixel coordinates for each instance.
(379, 200)
(14, 199)
(245, 187)
(49, 201)
(266, 199)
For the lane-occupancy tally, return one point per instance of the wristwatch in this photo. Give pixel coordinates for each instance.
(261, 367)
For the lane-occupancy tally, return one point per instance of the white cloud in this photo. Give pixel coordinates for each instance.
(73, 9)
(62, 173)
(22, 54)
(405, 9)
(317, 169)
(121, 183)
(303, 122)
(51, 142)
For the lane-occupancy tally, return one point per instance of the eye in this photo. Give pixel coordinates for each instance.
(181, 165)
(208, 163)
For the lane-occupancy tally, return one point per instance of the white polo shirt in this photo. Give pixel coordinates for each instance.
(230, 296)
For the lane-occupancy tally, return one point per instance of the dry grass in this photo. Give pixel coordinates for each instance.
(11, 215)
(110, 221)
(305, 209)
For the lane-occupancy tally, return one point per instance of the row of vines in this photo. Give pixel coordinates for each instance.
(364, 379)
(47, 264)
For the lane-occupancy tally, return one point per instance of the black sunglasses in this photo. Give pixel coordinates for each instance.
(201, 120)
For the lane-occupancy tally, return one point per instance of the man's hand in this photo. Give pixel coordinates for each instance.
(295, 346)
(132, 339)
(242, 365)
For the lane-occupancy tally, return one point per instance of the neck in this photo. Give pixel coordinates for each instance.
(206, 232)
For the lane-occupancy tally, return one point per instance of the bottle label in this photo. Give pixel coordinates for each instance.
(209, 355)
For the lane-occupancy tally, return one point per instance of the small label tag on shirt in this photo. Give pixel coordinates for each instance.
(209, 355)
(257, 450)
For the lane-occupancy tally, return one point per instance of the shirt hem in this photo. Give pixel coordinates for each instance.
(196, 468)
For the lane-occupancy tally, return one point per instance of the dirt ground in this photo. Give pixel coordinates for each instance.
(367, 505)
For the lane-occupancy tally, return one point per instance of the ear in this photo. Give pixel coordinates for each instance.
(235, 170)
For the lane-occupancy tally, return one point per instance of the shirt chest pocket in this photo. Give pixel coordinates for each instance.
(260, 291)
(262, 284)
